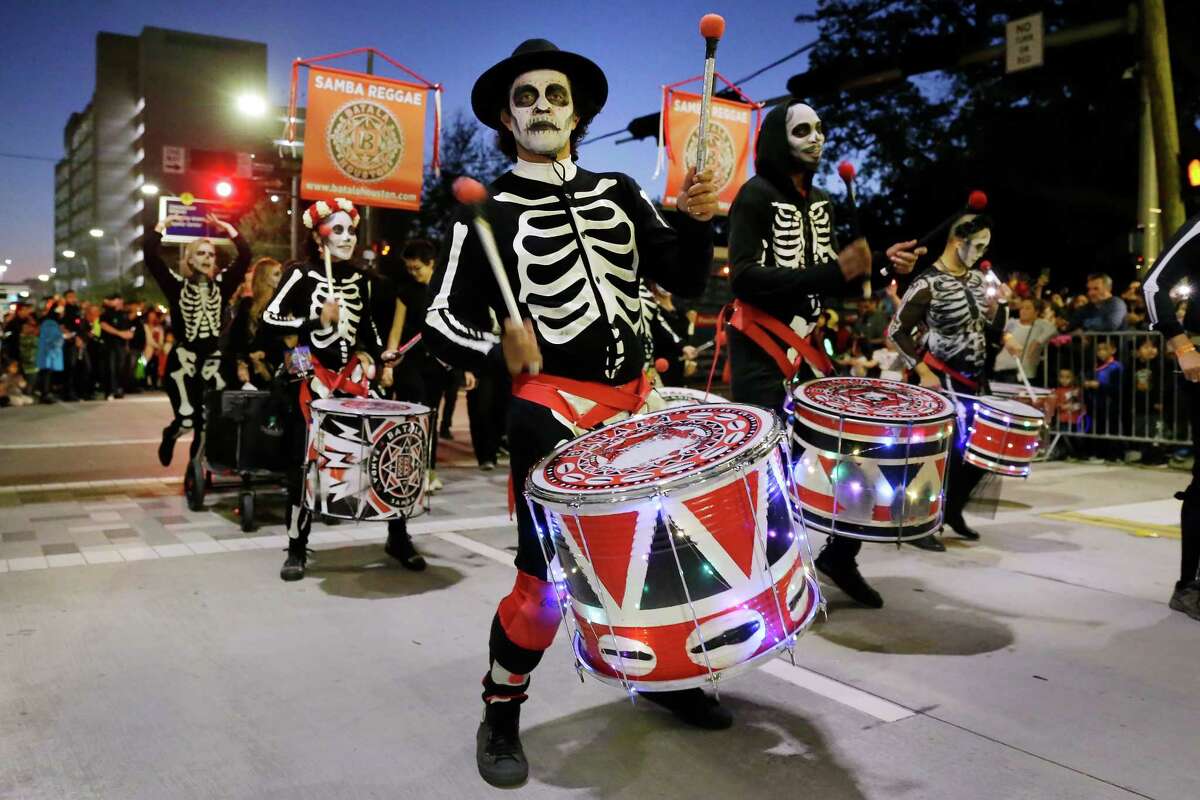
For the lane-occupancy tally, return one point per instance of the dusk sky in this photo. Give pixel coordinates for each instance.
(47, 55)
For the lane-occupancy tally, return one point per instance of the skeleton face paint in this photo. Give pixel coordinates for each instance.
(806, 136)
(204, 259)
(542, 111)
(971, 249)
(339, 235)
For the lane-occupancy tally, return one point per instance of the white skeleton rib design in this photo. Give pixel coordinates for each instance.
(200, 305)
(822, 231)
(350, 301)
(788, 235)
(567, 289)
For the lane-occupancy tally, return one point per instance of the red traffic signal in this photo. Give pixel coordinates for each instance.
(224, 188)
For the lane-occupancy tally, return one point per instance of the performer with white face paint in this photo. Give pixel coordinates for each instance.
(941, 330)
(785, 260)
(336, 331)
(574, 245)
(196, 293)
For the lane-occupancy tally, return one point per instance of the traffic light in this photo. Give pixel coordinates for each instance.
(223, 188)
(1193, 173)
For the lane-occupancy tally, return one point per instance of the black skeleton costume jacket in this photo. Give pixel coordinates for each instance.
(196, 302)
(573, 251)
(296, 309)
(947, 317)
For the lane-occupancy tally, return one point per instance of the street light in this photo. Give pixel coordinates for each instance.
(95, 233)
(149, 189)
(8, 262)
(54, 270)
(274, 198)
(43, 277)
(252, 105)
(68, 253)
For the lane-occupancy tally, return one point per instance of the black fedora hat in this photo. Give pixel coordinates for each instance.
(589, 87)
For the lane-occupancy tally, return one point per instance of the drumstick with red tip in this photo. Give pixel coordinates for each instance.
(847, 173)
(712, 28)
(472, 193)
(977, 203)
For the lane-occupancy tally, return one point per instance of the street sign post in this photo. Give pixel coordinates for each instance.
(193, 226)
(1024, 43)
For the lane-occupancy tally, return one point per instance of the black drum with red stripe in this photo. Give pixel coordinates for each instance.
(869, 457)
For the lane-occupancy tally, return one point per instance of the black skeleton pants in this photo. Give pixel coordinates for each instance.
(191, 372)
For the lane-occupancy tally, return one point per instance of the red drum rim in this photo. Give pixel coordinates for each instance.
(910, 404)
(584, 469)
(369, 406)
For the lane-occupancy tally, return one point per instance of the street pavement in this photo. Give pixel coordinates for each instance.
(147, 651)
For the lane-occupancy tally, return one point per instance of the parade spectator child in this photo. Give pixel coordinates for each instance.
(13, 388)
(887, 358)
(1068, 403)
(860, 366)
(1103, 400)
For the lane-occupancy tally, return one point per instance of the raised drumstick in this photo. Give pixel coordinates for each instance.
(471, 192)
(712, 27)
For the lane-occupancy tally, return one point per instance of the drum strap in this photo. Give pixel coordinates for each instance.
(941, 366)
(546, 390)
(333, 381)
(760, 327)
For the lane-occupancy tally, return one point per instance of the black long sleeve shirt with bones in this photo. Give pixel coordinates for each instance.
(196, 302)
(573, 252)
(948, 317)
(296, 309)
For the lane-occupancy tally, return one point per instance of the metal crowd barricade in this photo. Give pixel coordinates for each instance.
(1137, 402)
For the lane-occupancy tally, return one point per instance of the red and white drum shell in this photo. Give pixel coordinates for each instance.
(869, 457)
(1004, 435)
(367, 459)
(676, 396)
(676, 546)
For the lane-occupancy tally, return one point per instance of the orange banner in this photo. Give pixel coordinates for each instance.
(364, 139)
(729, 131)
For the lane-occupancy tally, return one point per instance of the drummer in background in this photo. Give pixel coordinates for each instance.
(577, 359)
(669, 329)
(785, 261)
(941, 328)
(1180, 261)
(339, 336)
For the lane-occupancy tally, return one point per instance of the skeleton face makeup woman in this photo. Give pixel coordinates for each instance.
(199, 257)
(339, 234)
(541, 112)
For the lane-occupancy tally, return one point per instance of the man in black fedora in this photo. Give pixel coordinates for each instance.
(574, 245)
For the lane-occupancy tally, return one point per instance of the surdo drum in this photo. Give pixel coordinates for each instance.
(676, 549)
(869, 457)
(1004, 435)
(676, 396)
(367, 459)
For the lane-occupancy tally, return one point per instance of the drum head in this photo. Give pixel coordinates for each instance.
(873, 399)
(368, 407)
(640, 455)
(675, 396)
(1013, 408)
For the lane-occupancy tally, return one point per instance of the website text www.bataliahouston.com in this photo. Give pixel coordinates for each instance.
(361, 191)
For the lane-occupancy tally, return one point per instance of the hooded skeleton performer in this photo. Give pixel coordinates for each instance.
(941, 330)
(341, 339)
(573, 244)
(785, 259)
(196, 293)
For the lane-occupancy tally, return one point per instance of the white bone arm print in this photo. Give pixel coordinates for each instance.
(555, 286)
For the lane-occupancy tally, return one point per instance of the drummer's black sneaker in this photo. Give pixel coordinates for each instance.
(498, 752)
(959, 526)
(297, 558)
(846, 577)
(694, 707)
(931, 543)
(166, 449)
(400, 547)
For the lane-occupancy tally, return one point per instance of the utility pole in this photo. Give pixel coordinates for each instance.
(1156, 62)
(369, 212)
(1149, 212)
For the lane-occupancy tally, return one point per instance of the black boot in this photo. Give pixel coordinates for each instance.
(930, 543)
(959, 526)
(498, 752)
(845, 575)
(166, 450)
(400, 547)
(297, 559)
(694, 707)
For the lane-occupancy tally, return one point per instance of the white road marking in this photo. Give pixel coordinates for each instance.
(114, 483)
(101, 443)
(485, 550)
(867, 703)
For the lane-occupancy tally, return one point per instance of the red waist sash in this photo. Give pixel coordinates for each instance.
(759, 327)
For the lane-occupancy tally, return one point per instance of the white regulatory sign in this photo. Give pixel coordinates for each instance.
(1024, 44)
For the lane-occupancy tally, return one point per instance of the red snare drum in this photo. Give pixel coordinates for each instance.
(676, 545)
(870, 457)
(1004, 436)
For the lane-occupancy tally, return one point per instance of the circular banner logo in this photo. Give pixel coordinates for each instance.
(397, 465)
(721, 157)
(365, 141)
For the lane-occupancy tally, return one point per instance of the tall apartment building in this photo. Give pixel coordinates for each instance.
(163, 113)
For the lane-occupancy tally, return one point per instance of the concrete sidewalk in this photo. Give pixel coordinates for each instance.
(163, 658)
